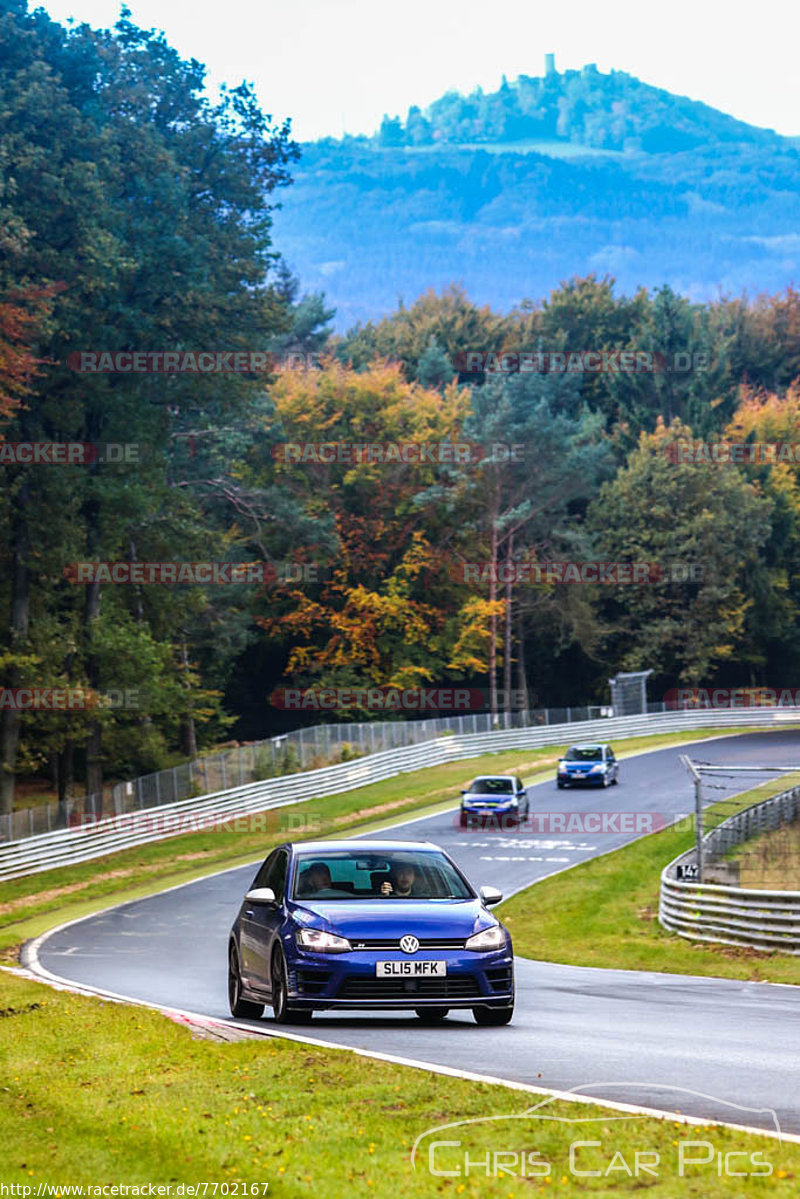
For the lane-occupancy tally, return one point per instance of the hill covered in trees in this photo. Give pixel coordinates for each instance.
(514, 191)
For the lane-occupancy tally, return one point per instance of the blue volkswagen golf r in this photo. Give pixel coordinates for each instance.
(593, 764)
(368, 924)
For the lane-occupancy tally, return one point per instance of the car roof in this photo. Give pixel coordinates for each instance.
(590, 745)
(510, 777)
(321, 847)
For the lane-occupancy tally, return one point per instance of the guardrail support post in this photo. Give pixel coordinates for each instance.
(698, 820)
(686, 761)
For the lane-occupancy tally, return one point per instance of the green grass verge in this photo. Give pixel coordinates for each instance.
(770, 862)
(604, 912)
(30, 905)
(98, 1093)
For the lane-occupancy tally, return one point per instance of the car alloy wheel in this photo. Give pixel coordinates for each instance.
(242, 1009)
(283, 1012)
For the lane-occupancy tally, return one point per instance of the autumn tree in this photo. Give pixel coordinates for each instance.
(704, 525)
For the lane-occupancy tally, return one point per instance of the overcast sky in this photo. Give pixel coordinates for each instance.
(338, 65)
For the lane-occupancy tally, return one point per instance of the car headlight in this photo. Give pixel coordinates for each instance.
(562, 769)
(322, 942)
(490, 938)
(598, 769)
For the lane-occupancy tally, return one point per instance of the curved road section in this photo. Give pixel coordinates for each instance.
(712, 1048)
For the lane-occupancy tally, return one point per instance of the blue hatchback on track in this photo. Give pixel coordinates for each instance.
(592, 765)
(368, 924)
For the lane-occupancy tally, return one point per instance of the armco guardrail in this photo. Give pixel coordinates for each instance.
(727, 914)
(72, 845)
(309, 748)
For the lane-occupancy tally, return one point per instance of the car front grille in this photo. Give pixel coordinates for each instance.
(410, 988)
(393, 943)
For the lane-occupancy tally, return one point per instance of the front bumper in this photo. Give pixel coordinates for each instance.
(509, 811)
(349, 980)
(583, 779)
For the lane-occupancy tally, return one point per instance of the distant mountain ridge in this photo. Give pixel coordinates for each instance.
(513, 191)
(613, 111)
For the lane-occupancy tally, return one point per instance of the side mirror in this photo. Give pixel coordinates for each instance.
(463, 793)
(491, 895)
(260, 895)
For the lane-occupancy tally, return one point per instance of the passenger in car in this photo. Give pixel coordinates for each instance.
(316, 878)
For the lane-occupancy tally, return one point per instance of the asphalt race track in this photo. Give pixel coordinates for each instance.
(708, 1047)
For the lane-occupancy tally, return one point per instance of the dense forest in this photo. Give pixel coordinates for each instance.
(139, 219)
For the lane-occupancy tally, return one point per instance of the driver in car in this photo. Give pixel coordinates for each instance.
(316, 878)
(401, 881)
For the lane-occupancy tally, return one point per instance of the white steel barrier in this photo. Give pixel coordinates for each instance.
(727, 914)
(66, 847)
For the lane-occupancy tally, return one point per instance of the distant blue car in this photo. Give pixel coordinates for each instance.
(592, 764)
(494, 795)
(368, 924)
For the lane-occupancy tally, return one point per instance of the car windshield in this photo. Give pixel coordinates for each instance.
(491, 786)
(391, 875)
(585, 753)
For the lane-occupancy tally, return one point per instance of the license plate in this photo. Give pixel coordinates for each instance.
(409, 969)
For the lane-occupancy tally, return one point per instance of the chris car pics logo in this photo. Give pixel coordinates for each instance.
(604, 1147)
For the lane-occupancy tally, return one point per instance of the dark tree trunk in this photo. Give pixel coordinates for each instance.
(66, 774)
(188, 739)
(94, 744)
(18, 634)
(522, 682)
(493, 627)
(509, 598)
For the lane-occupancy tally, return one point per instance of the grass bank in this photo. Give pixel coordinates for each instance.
(98, 1093)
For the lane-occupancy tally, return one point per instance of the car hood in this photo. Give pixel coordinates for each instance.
(395, 917)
